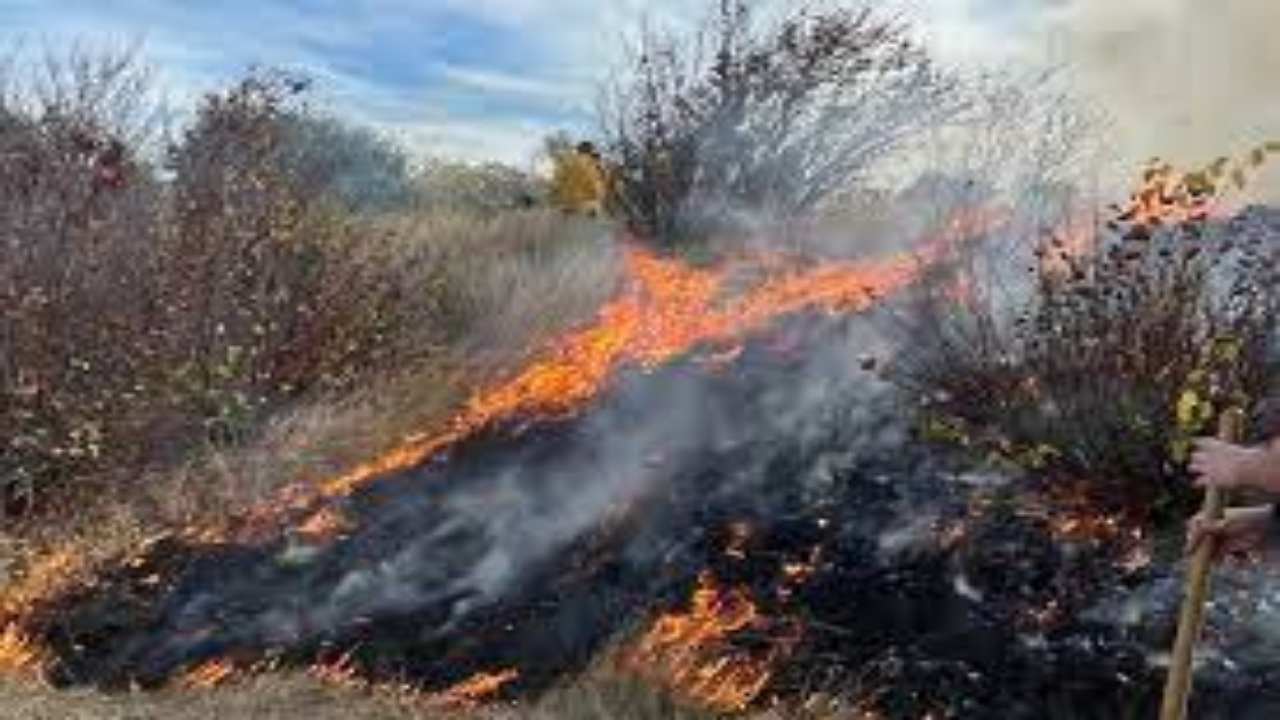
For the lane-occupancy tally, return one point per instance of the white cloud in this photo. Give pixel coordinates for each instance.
(505, 83)
(570, 45)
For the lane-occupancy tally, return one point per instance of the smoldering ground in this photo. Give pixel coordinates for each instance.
(440, 544)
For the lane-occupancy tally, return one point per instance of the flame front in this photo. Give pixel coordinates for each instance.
(49, 576)
(18, 653)
(476, 689)
(667, 308)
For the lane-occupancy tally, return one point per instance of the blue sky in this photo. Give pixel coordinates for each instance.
(472, 79)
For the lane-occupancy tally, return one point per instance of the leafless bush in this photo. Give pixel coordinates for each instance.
(770, 118)
(78, 221)
(141, 318)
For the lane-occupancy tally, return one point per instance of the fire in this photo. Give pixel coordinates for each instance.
(465, 695)
(476, 689)
(690, 653)
(19, 653)
(53, 574)
(325, 524)
(208, 675)
(667, 308)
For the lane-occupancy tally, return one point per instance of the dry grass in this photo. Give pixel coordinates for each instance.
(264, 697)
(288, 696)
(299, 696)
(510, 284)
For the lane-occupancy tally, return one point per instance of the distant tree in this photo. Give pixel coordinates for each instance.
(765, 117)
(351, 164)
(557, 143)
(482, 189)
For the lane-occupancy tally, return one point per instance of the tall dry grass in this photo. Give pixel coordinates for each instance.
(176, 346)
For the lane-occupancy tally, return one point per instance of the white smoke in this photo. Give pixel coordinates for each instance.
(1184, 80)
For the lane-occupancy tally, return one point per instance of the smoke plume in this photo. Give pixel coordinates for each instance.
(1184, 80)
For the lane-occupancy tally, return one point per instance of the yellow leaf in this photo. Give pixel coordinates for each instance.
(1186, 412)
(1198, 183)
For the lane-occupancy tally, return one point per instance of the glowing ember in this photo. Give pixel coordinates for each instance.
(690, 653)
(326, 524)
(208, 675)
(465, 695)
(798, 572)
(340, 671)
(18, 653)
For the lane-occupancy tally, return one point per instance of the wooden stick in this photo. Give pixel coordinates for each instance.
(1177, 687)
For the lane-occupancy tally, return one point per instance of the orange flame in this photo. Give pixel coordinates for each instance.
(211, 674)
(19, 653)
(51, 575)
(476, 689)
(689, 652)
(325, 524)
(668, 308)
(465, 695)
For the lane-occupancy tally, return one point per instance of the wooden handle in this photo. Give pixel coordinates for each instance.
(1177, 687)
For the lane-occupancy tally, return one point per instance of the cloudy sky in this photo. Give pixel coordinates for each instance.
(488, 78)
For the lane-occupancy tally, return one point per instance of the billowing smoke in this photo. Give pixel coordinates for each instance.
(1184, 80)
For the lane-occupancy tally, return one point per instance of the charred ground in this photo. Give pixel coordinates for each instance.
(882, 567)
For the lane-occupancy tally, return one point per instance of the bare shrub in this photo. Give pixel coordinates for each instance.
(78, 220)
(142, 319)
(770, 118)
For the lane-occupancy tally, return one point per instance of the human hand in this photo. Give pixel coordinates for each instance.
(1221, 464)
(1239, 530)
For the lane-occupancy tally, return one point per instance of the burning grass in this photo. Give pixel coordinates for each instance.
(668, 309)
(688, 653)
